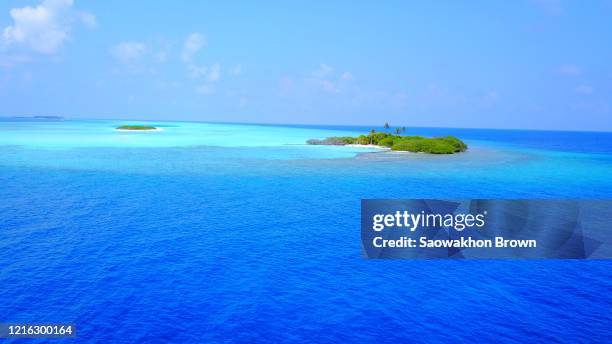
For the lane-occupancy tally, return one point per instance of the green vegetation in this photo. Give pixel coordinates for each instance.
(433, 145)
(136, 127)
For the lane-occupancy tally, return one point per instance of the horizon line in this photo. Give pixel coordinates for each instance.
(306, 124)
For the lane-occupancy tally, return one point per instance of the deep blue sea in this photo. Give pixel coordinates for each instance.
(223, 233)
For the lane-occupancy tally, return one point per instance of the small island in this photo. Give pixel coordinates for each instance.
(137, 127)
(397, 142)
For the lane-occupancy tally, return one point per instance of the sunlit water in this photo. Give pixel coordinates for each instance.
(241, 233)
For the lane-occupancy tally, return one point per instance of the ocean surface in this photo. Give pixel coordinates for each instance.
(242, 233)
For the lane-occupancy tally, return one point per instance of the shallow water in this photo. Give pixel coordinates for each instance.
(222, 232)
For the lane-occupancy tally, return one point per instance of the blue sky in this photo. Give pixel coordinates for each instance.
(535, 64)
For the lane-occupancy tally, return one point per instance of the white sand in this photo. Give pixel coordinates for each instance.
(367, 146)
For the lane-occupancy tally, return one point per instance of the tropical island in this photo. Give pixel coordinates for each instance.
(137, 127)
(397, 142)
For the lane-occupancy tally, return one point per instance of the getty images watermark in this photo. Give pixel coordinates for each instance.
(486, 229)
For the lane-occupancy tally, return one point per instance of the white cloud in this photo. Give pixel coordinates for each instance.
(583, 89)
(193, 44)
(323, 71)
(196, 71)
(128, 51)
(215, 73)
(205, 89)
(14, 59)
(492, 95)
(347, 76)
(212, 75)
(328, 80)
(88, 19)
(236, 71)
(44, 28)
(329, 86)
(161, 56)
(285, 83)
(570, 70)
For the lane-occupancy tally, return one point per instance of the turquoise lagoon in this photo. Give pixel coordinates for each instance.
(210, 232)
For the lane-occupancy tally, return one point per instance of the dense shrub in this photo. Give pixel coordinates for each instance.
(458, 144)
(344, 139)
(417, 144)
(136, 127)
(333, 141)
(363, 140)
(388, 141)
(435, 145)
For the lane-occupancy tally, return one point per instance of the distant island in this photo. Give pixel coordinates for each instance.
(34, 118)
(48, 117)
(137, 127)
(397, 142)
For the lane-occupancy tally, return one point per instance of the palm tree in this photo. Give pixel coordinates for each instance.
(404, 129)
(387, 125)
(398, 131)
(372, 132)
